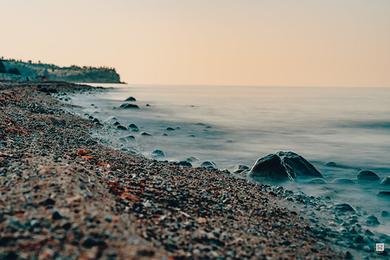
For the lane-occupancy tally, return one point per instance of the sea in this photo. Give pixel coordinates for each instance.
(236, 125)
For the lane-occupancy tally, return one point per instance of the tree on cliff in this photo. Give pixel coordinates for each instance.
(2, 67)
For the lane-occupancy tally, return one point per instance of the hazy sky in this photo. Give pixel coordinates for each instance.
(241, 42)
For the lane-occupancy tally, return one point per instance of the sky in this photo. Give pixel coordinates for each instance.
(208, 42)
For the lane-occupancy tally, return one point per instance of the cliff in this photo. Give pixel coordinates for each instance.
(20, 70)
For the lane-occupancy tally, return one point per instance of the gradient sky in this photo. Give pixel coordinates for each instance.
(235, 42)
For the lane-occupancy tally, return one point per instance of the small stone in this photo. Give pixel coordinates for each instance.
(208, 165)
(145, 134)
(56, 215)
(133, 127)
(185, 164)
(385, 214)
(121, 127)
(386, 181)
(48, 202)
(170, 129)
(344, 207)
(89, 242)
(129, 106)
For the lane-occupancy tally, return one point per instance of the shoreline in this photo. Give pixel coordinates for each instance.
(65, 194)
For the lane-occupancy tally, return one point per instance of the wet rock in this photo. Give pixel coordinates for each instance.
(48, 202)
(366, 176)
(111, 120)
(121, 127)
(241, 168)
(384, 194)
(284, 166)
(130, 99)
(372, 221)
(133, 127)
(385, 214)
(185, 164)
(116, 123)
(170, 129)
(145, 134)
(158, 153)
(127, 138)
(192, 159)
(343, 181)
(208, 165)
(386, 181)
(129, 106)
(343, 208)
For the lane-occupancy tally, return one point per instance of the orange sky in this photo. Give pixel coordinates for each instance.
(235, 42)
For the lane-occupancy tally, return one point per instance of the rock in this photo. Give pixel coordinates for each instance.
(48, 202)
(316, 181)
(365, 176)
(111, 120)
(343, 208)
(145, 134)
(385, 214)
(241, 168)
(170, 129)
(116, 123)
(89, 242)
(284, 166)
(130, 99)
(384, 194)
(121, 127)
(129, 106)
(192, 159)
(56, 215)
(386, 181)
(148, 105)
(331, 164)
(343, 181)
(372, 221)
(158, 153)
(185, 164)
(127, 138)
(133, 127)
(208, 165)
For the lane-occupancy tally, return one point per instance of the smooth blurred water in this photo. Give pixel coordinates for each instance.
(233, 125)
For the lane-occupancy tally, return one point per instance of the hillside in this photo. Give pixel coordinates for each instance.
(20, 70)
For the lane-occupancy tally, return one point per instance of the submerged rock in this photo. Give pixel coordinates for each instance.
(384, 194)
(284, 166)
(192, 159)
(121, 127)
(343, 208)
(372, 221)
(343, 181)
(208, 165)
(133, 127)
(386, 181)
(365, 175)
(130, 99)
(127, 138)
(158, 153)
(129, 106)
(170, 129)
(145, 134)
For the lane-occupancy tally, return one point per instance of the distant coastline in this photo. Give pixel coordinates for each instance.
(17, 70)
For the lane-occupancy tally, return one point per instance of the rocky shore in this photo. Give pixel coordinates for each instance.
(65, 195)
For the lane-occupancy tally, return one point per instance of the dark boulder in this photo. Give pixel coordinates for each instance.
(145, 134)
(129, 106)
(208, 165)
(127, 138)
(384, 194)
(133, 127)
(185, 164)
(386, 181)
(170, 129)
(372, 221)
(121, 127)
(284, 166)
(130, 99)
(365, 176)
(158, 153)
(343, 208)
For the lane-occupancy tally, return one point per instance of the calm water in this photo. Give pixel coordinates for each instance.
(233, 125)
